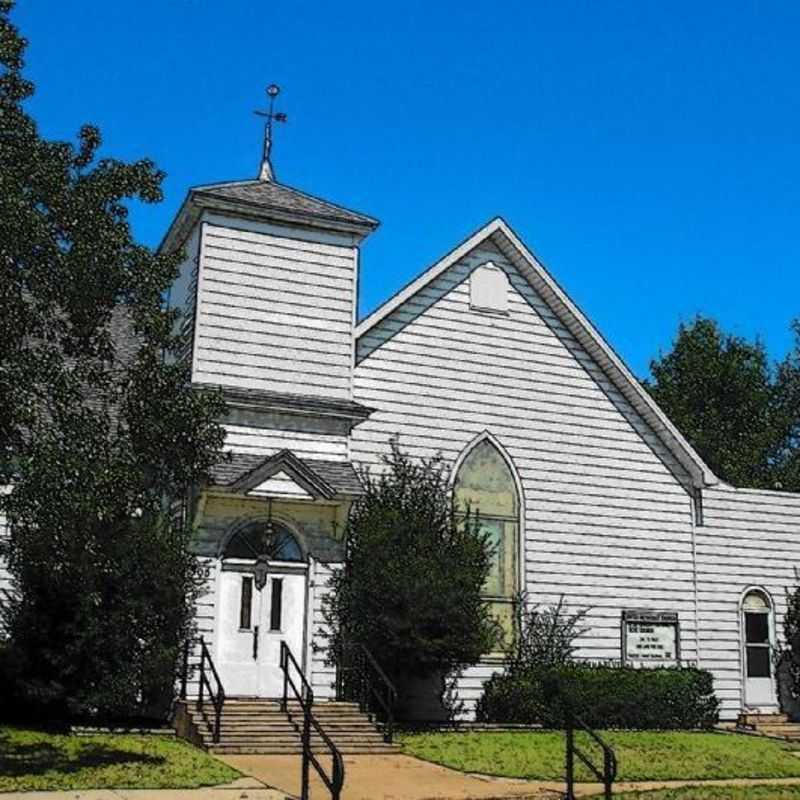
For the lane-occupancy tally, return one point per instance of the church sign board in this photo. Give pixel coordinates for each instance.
(650, 638)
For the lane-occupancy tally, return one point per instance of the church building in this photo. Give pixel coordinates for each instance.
(586, 487)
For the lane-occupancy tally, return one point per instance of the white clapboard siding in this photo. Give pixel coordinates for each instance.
(750, 538)
(275, 312)
(265, 441)
(205, 622)
(607, 517)
(322, 675)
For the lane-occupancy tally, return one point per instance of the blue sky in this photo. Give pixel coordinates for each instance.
(648, 153)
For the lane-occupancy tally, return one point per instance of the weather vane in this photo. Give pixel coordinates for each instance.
(273, 90)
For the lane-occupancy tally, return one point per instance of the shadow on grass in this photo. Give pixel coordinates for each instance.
(18, 759)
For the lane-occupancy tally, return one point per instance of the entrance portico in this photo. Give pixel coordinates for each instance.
(270, 526)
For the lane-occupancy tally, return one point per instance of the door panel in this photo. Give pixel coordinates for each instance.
(235, 652)
(759, 690)
(282, 619)
(249, 658)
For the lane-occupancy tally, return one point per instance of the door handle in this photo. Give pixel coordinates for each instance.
(255, 642)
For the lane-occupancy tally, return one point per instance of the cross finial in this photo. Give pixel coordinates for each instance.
(266, 173)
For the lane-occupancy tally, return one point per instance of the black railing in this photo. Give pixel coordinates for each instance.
(606, 775)
(205, 671)
(305, 696)
(359, 678)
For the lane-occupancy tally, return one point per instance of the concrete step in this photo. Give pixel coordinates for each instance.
(289, 736)
(223, 749)
(331, 730)
(760, 719)
(250, 725)
(322, 705)
(787, 729)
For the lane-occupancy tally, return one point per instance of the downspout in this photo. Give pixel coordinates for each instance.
(693, 516)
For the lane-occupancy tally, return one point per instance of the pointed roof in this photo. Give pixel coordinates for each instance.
(270, 194)
(268, 200)
(243, 472)
(577, 323)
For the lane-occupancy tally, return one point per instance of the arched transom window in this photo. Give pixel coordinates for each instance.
(485, 484)
(261, 538)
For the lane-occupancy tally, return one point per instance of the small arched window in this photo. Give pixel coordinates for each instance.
(485, 485)
(270, 539)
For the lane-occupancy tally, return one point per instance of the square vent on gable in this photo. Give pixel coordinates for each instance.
(488, 289)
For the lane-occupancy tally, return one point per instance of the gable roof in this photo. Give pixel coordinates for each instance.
(574, 320)
(287, 462)
(340, 476)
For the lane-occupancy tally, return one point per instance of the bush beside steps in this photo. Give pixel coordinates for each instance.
(603, 696)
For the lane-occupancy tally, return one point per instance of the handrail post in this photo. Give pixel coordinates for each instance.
(202, 675)
(363, 700)
(285, 668)
(390, 720)
(338, 780)
(306, 751)
(185, 669)
(607, 776)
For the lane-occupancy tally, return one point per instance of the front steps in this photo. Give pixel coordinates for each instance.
(260, 726)
(774, 725)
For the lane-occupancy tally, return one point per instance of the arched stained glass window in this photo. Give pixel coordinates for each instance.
(264, 538)
(485, 485)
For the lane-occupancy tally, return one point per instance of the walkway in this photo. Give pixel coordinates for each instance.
(399, 777)
(241, 789)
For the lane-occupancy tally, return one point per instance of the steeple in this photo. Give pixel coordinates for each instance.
(266, 172)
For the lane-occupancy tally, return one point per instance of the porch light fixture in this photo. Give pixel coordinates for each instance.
(262, 561)
(260, 571)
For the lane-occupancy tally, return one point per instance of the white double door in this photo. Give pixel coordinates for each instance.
(252, 624)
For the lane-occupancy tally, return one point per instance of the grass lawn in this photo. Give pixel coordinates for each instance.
(641, 755)
(717, 793)
(35, 760)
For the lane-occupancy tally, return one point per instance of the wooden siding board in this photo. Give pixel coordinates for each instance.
(750, 539)
(607, 519)
(251, 439)
(322, 675)
(243, 290)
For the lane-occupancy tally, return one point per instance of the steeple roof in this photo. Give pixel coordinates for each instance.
(269, 194)
(267, 200)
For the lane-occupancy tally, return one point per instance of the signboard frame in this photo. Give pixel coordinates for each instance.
(648, 617)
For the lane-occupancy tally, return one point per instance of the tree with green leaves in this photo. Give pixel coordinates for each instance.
(100, 431)
(411, 588)
(740, 412)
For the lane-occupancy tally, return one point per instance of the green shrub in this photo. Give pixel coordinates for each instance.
(603, 696)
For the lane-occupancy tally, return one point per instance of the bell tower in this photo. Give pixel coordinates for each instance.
(269, 283)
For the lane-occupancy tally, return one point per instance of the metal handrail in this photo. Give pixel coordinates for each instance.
(336, 781)
(609, 772)
(387, 700)
(215, 694)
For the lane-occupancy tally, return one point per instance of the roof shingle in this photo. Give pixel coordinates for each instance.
(268, 194)
(339, 475)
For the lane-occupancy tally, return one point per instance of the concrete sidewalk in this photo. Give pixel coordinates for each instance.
(400, 777)
(391, 777)
(246, 788)
(376, 778)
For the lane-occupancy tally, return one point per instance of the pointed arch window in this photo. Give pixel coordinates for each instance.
(485, 484)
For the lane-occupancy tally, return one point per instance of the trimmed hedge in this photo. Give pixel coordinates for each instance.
(603, 696)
